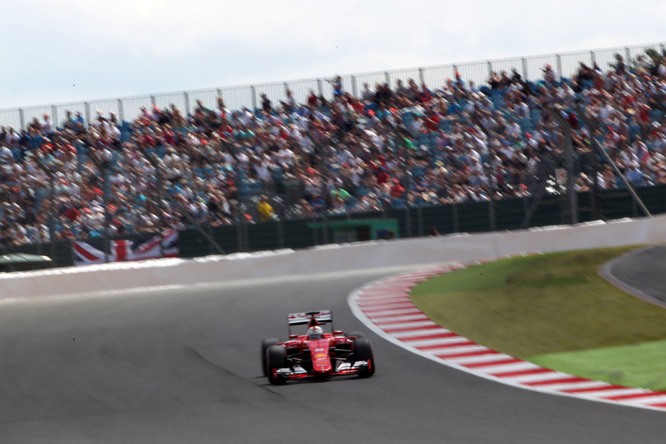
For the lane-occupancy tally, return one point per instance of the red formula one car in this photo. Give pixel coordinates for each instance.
(316, 354)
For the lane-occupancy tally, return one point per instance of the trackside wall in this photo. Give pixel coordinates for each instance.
(426, 250)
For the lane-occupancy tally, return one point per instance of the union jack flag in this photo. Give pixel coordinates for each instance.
(162, 245)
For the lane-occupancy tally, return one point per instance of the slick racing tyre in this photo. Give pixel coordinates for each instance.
(363, 352)
(264, 346)
(276, 358)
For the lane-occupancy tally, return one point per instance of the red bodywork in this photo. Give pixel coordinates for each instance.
(318, 357)
(319, 354)
(330, 355)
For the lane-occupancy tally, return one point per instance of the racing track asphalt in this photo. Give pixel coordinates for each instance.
(640, 272)
(182, 366)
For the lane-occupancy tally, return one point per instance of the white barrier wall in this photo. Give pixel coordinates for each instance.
(461, 247)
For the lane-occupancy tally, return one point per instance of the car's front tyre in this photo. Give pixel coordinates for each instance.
(276, 358)
(265, 343)
(363, 352)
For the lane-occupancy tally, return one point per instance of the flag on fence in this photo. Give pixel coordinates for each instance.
(128, 250)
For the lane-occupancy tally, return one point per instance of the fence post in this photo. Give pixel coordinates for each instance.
(101, 166)
(490, 174)
(54, 116)
(254, 98)
(409, 186)
(121, 110)
(524, 66)
(21, 118)
(325, 194)
(281, 240)
(240, 228)
(419, 220)
(50, 215)
(187, 103)
(558, 63)
(571, 193)
(86, 111)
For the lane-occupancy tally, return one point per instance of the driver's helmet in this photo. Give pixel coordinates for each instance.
(315, 332)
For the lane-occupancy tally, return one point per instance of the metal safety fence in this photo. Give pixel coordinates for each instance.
(249, 96)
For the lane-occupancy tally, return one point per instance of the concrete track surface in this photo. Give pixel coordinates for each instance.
(182, 366)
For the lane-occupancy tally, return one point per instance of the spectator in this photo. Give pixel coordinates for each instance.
(266, 104)
(336, 84)
(415, 144)
(265, 210)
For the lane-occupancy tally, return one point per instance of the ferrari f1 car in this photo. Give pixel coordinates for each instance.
(316, 354)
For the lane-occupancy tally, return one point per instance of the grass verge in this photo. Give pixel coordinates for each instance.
(552, 309)
(635, 365)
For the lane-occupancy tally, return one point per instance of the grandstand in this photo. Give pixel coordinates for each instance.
(499, 138)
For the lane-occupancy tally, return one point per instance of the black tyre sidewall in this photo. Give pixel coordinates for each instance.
(363, 352)
(265, 343)
(276, 357)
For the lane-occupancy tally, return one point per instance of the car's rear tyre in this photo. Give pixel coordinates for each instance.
(264, 346)
(358, 334)
(276, 358)
(363, 352)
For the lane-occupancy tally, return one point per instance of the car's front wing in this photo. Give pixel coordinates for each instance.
(298, 372)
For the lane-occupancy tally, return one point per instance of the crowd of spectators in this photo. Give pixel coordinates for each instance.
(392, 146)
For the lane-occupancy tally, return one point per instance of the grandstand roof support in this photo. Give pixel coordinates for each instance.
(594, 124)
(103, 167)
(50, 173)
(568, 151)
(490, 175)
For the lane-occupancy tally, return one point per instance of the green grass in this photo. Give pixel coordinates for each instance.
(544, 307)
(636, 365)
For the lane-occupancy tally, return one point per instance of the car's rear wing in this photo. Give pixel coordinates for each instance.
(322, 317)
